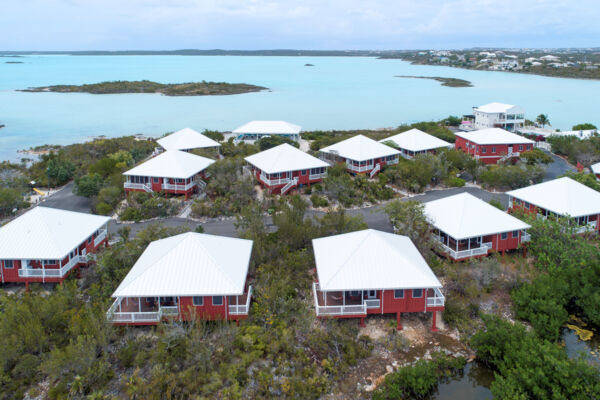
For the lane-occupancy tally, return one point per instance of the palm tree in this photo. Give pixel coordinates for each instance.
(543, 120)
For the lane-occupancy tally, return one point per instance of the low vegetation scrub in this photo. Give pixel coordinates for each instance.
(584, 151)
(142, 205)
(351, 191)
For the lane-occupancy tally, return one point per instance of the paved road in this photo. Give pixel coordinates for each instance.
(557, 168)
(66, 200)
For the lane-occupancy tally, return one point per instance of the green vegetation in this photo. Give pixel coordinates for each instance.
(227, 191)
(420, 380)
(168, 89)
(584, 151)
(341, 187)
(536, 156)
(511, 176)
(542, 120)
(584, 126)
(408, 218)
(142, 205)
(588, 180)
(268, 142)
(530, 368)
(451, 82)
(567, 274)
(10, 199)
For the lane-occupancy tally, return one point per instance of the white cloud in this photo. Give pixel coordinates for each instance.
(244, 24)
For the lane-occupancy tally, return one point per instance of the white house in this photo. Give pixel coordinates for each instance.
(284, 167)
(550, 58)
(361, 154)
(255, 130)
(187, 139)
(174, 171)
(373, 272)
(414, 141)
(560, 197)
(46, 244)
(499, 115)
(469, 227)
(187, 276)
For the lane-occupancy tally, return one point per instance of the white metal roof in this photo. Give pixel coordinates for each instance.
(172, 164)
(189, 264)
(360, 148)
(186, 139)
(269, 127)
(595, 168)
(494, 136)
(493, 108)
(45, 233)
(370, 259)
(284, 158)
(416, 140)
(563, 196)
(464, 216)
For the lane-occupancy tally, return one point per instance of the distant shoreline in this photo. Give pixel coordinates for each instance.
(168, 89)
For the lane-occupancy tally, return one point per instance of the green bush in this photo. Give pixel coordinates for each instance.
(87, 185)
(454, 181)
(103, 208)
(318, 201)
(9, 200)
(131, 214)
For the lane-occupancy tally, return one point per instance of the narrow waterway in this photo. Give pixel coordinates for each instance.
(474, 381)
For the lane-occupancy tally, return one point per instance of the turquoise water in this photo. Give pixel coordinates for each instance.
(337, 93)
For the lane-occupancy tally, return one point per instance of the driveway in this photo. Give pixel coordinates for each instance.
(557, 168)
(65, 199)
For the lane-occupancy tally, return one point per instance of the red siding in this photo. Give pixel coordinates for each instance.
(207, 311)
(487, 157)
(302, 179)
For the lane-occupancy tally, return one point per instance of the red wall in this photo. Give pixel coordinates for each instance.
(488, 157)
(206, 311)
(302, 180)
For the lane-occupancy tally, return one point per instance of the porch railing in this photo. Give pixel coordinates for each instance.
(179, 186)
(458, 254)
(136, 316)
(317, 176)
(372, 303)
(352, 309)
(141, 186)
(525, 237)
(274, 181)
(241, 309)
(51, 272)
(358, 168)
(101, 236)
(437, 300)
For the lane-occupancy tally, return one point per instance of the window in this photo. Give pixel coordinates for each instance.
(198, 300)
(483, 150)
(515, 234)
(528, 147)
(8, 264)
(399, 293)
(520, 147)
(417, 293)
(493, 149)
(504, 236)
(303, 172)
(354, 293)
(155, 180)
(518, 202)
(217, 300)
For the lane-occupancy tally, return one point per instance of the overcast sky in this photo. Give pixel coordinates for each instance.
(297, 24)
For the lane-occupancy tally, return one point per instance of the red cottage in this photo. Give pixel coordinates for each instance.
(174, 172)
(373, 272)
(361, 155)
(184, 277)
(492, 145)
(562, 197)
(284, 167)
(46, 244)
(468, 227)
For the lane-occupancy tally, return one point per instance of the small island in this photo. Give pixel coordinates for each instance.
(450, 82)
(13, 62)
(168, 89)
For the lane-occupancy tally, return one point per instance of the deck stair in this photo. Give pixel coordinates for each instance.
(292, 183)
(375, 170)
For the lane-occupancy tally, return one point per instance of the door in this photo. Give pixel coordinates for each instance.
(156, 184)
(510, 149)
(371, 294)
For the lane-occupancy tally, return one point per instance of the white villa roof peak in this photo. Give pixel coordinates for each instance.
(416, 140)
(186, 139)
(563, 196)
(189, 264)
(284, 157)
(494, 136)
(465, 216)
(495, 107)
(360, 148)
(269, 127)
(172, 164)
(595, 168)
(369, 260)
(45, 233)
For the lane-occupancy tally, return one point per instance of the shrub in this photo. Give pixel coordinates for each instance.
(497, 203)
(87, 185)
(318, 201)
(9, 200)
(103, 208)
(454, 181)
